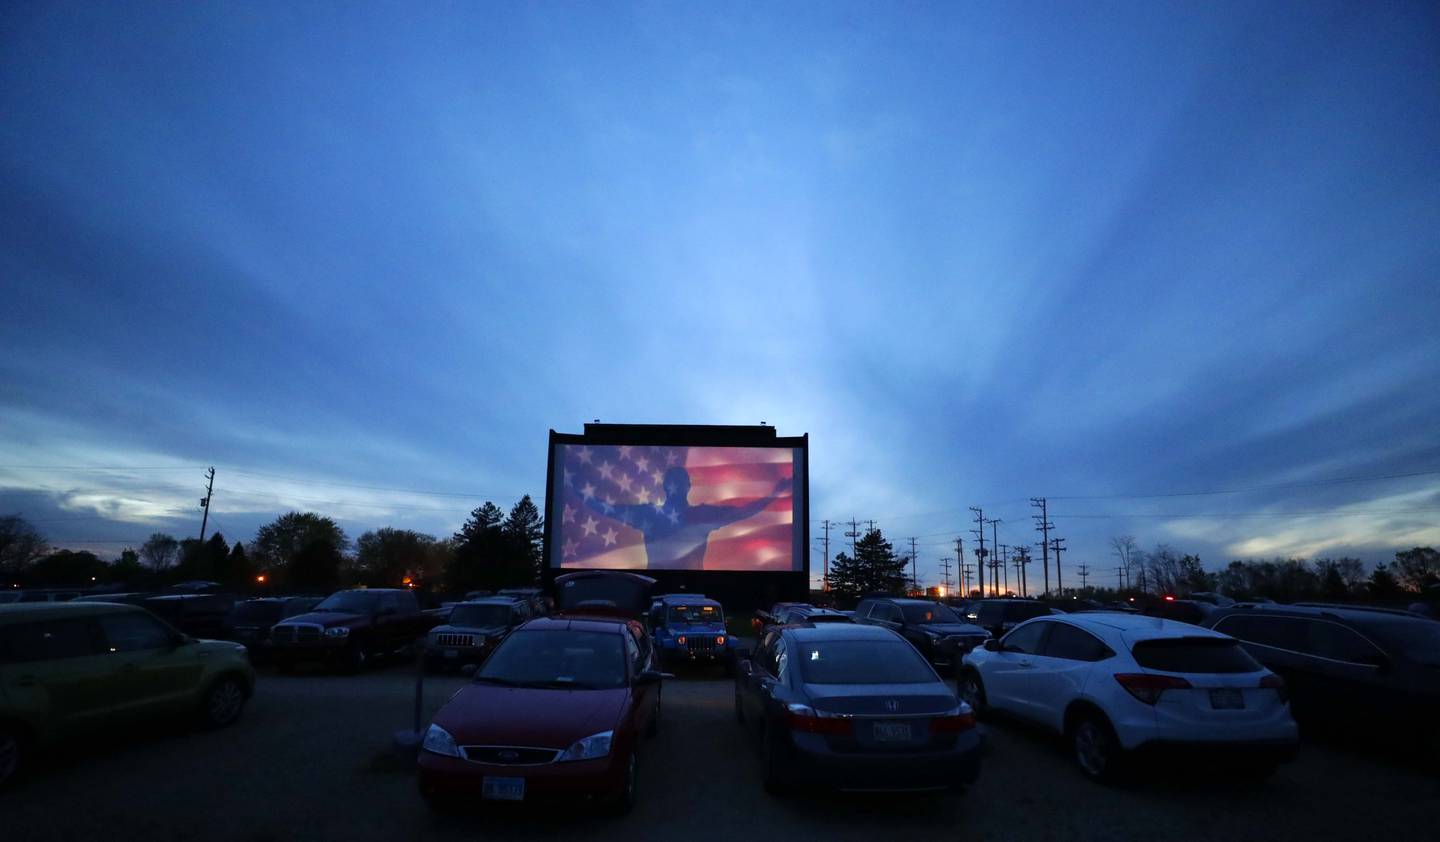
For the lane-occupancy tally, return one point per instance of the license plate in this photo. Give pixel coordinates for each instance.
(1228, 699)
(502, 789)
(452, 653)
(892, 732)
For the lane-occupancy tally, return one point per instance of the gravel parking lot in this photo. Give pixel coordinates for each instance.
(310, 760)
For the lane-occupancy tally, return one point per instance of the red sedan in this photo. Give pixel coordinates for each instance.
(556, 712)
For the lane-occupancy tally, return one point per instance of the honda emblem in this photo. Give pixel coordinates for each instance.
(891, 706)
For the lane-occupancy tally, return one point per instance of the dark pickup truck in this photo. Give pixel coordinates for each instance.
(351, 628)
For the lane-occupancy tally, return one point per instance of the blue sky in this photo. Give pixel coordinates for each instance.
(980, 252)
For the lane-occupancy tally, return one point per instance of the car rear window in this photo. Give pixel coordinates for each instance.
(861, 662)
(1194, 654)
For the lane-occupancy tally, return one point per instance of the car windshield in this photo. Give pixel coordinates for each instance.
(1418, 641)
(1194, 654)
(350, 602)
(481, 615)
(559, 658)
(862, 662)
(696, 614)
(930, 612)
(258, 612)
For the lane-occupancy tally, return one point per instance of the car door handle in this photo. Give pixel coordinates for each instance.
(1024, 665)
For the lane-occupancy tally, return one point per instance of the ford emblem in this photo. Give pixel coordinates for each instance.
(509, 755)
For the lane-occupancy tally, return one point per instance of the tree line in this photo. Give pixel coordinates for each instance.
(299, 551)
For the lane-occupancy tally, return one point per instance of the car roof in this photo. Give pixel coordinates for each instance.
(684, 597)
(1350, 614)
(492, 600)
(30, 611)
(595, 624)
(838, 631)
(1133, 626)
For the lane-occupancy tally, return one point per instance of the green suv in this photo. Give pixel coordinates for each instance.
(72, 668)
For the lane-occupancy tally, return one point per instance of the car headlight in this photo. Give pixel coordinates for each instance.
(338, 631)
(438, 741)
(590, 748)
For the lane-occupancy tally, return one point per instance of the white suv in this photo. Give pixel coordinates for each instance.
(1115, 684)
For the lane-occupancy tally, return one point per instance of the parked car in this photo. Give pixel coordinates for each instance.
(75, 669)
(121, 598)
(558, 709)
(689, 628)
(853, 706)
(1345, 663)
(937, 631)
(351, 628)
(809, 615)
(533, 597)
(998, 616)
(197, 614)
(473, 630)
(250, 620)
(765, 618)
(1215, 599)
(1192, 611)
(1117, 685)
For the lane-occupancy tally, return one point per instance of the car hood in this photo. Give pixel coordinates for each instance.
(326, 619)
(488, 631)
(954, 628)
(483, 714)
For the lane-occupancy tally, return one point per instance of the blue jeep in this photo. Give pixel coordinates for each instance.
(690, 628)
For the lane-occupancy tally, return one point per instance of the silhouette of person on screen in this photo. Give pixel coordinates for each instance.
(677, 533)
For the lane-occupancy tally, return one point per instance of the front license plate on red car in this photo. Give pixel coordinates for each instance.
(892, 732)
(502, 789)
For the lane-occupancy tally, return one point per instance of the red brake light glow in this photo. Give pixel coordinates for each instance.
(1147, 688)
(952, 724)
(804, 720)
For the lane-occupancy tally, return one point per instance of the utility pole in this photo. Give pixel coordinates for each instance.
(960, 563)
(980, 553)
(994, 562)
(825, 577)
(1120, 579)
(205, 502)
(852, 535)
(1084, 575)
(964, 577)
(1004, 559)
(1022, 560)
(945, 565)
(1058, 544)
(914, 577)
(1043, 526)
(872, 525)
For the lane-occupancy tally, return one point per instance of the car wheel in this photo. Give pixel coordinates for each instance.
(223, 702)
(12, 754)
(653, 729)
(1097, 751)
(625, 801)
(354, 658)
(972, 692)
(772, 774)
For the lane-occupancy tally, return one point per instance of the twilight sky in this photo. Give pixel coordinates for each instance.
(361, 257)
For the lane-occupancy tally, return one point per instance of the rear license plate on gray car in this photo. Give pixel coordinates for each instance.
(891, 732)
(1227, 699)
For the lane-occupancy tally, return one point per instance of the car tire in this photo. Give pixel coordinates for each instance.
(772, 773)
(354, 658)
(12, 754)
(625, 801)
(1095, 747)
(223, 702)
(653, 729)
(971, 690)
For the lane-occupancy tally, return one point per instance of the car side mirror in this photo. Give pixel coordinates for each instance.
(649, 677)
(992, 645)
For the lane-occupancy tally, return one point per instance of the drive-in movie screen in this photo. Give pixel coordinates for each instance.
(629, 507)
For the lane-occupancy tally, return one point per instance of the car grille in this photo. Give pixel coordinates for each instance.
(454, 640)
(702, 643)
(295, 633)
(509, 755)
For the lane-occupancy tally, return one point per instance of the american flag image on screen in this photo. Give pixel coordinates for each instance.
(674, 508)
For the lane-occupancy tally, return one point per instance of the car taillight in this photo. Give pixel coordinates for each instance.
(1276, 683)
(804, 719)
(680, 640)
(1147, 688)
(952, 724)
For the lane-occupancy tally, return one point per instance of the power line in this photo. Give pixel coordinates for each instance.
(1268, 487)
